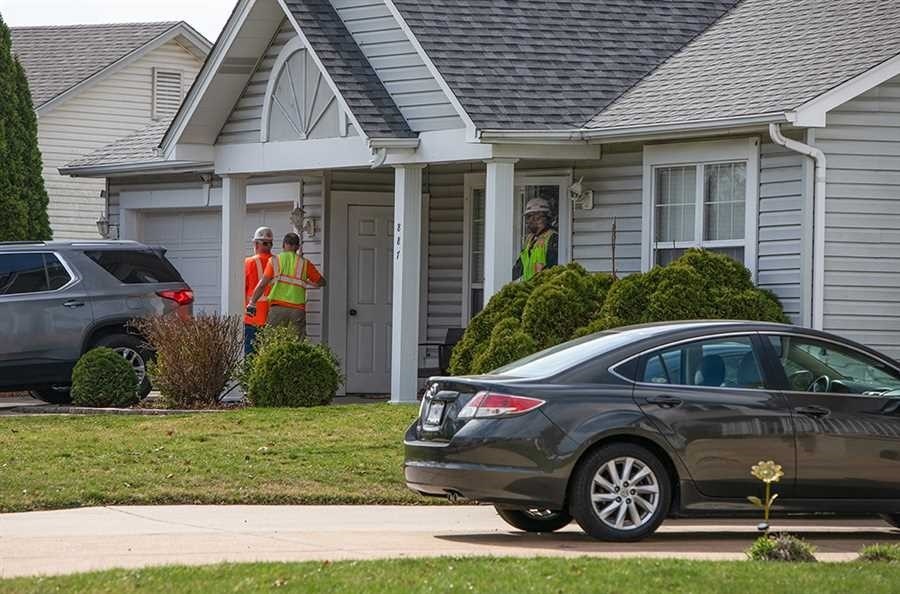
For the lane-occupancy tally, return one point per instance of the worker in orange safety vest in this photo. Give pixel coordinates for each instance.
(254, 270)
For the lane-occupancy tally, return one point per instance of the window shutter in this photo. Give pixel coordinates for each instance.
(167, 93)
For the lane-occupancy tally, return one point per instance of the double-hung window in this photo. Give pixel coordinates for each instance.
(700, 195)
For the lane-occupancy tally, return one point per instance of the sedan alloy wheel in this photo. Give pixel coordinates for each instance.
(626, 493)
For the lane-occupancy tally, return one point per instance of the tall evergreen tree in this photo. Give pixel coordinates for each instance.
(23, 197)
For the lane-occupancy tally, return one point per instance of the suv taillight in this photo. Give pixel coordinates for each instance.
(488, 405)
(181, 297)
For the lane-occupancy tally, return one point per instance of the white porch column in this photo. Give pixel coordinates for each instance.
(499, 211)
(234, 211)
(407, 262)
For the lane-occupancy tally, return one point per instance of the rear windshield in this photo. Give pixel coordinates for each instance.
(569, 354)
(136, 267)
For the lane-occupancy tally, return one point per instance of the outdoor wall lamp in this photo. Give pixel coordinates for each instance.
(104, 227)
(308, 225)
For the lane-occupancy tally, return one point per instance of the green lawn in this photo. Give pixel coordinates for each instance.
(329, 455)
(484, 576)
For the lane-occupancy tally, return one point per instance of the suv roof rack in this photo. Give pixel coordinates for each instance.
(23, 243)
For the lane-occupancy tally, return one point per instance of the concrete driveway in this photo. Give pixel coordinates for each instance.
(100, 538)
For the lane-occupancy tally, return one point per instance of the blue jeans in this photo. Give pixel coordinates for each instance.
(249, 337)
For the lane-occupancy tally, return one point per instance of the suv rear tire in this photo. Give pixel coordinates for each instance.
(53, 395)
(135, 352)
(620, 493)
(543, 520)
(892, 519)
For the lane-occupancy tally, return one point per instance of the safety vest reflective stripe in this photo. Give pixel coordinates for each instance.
(289, 287)
(536, 254)
(259, 274)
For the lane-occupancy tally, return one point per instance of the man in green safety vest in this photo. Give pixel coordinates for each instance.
(542, 244)
(292, 275)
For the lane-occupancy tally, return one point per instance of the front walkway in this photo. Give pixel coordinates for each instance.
(101, 538)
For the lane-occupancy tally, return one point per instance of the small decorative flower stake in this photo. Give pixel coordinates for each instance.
(768, 472)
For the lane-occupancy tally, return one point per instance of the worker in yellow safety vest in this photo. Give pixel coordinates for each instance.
(292, 275)
(541, 248)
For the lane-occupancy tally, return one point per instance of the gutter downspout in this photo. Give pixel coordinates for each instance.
(821, 167)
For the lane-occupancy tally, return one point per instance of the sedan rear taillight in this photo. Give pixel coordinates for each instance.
(181, 297)
(488, 405)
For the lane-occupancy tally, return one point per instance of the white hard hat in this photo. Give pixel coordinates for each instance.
(263, 234)
(537, 205)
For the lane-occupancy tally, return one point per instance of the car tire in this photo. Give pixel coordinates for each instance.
(135, 352)
(600, 491)
(535, 520)
(892, 519)
(52, 395)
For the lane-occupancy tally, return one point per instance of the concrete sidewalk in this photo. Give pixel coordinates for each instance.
(69, 541)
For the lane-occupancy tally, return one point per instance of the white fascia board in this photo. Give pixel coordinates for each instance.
(321, 67)
(471, 130)
(813, 113)
(566, 151)
(441, 146)
(180, 198)
(179, 30)
(207, 73)
(193, 152)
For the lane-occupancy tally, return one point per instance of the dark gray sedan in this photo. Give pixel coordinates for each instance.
(622, 429)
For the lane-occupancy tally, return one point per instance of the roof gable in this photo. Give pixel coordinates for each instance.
(57, 59)
(764, 57)
(546, 64)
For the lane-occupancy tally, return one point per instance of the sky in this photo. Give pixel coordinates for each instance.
(207, 16)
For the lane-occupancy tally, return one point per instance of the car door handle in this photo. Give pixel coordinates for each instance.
(665, 401)
(73, 304)
(813, 411)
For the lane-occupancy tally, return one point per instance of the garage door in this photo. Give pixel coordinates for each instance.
(193, 240)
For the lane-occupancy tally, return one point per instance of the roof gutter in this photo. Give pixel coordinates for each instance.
(596, 135)
(818, 297)
(139, 168)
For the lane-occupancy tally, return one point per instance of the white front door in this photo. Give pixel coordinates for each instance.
(370, 271)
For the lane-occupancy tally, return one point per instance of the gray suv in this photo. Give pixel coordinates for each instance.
(60, 299)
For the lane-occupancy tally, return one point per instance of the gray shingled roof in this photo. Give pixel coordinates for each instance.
(550, 64)
(765, 56)
(140, 147)
(58, 58)
(360, 87)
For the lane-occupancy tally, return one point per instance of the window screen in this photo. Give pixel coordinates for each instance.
(136, 267)
(31, 273)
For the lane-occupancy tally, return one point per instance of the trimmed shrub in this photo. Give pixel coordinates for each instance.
(103, 379)
(880, 553)
(290, 372)
(782, 547)
(567, 302)
(196, 357)
(508, 343)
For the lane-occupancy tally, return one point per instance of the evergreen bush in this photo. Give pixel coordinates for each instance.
(23, 197)
(567, 302)
(103, 378)
(288, 371)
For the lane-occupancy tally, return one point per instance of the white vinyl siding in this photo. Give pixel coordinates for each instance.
(396, 62)
(244, 124)
(168, 91)
(782, 198)
(108, 110)
(862, 237)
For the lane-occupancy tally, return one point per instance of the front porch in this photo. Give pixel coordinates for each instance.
(410, 252)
